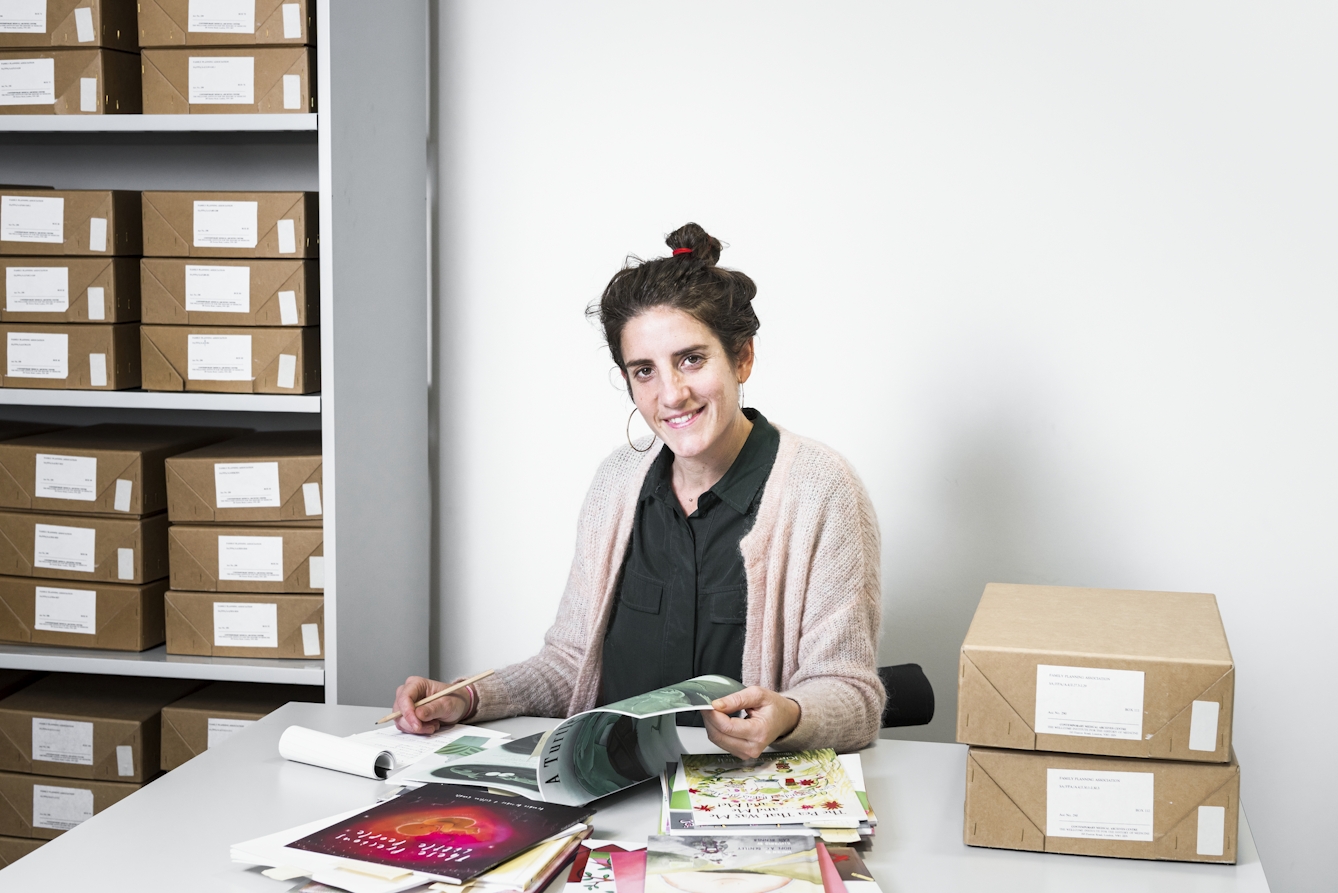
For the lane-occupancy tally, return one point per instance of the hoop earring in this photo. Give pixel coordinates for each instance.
(629, 436)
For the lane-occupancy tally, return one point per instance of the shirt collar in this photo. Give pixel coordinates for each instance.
(739, 487)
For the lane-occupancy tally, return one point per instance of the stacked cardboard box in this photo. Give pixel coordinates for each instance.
(69, 57)
(83, 534)
(1100, 724)
(71, 745)
(208, 717)
(71, 288)
(247, 548)
(230, 292)
(227, 57)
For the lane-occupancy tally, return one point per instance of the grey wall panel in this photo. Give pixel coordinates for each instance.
(376, 106)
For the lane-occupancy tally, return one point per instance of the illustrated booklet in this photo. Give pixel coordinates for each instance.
(733, 864)
(436, 832)
(808, 787)
(586, 757)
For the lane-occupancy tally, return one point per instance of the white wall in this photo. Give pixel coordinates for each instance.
(1057, 278)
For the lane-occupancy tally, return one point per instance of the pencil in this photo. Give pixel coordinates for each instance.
(441, 694)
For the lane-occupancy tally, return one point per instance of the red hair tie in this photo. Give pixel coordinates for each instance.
(678, 251)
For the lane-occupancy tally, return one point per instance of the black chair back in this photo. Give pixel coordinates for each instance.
(910, 697)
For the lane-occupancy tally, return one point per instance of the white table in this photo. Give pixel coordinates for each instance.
(174, 835)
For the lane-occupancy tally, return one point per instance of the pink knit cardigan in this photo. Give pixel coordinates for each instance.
(814, 599)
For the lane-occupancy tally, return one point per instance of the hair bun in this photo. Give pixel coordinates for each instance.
(705, 248)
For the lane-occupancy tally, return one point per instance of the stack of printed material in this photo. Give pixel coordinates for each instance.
(1100, 724)
(809, 793)
(436, 833)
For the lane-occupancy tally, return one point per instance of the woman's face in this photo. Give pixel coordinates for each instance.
(682, 379)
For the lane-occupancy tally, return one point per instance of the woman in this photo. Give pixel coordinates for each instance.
(724, 545)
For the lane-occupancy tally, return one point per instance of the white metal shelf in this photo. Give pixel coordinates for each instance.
(156, 123)
(157, 662)
(162, 400)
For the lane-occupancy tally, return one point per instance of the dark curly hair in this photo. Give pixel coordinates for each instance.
(687, 280)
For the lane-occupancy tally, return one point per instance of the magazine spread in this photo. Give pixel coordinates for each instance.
(588, 756)
(731, 864)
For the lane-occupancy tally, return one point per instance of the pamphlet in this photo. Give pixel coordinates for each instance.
(809, 787)
(732, 864)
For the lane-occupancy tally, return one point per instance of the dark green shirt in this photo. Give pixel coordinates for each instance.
(683, 597)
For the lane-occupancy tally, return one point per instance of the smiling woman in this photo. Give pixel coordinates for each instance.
(723, 544)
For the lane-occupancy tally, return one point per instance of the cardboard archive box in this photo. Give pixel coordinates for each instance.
(213, 558)
(12, 849)
(80, 222)
(230, 224)
(110, 469)
(236, 624)
(69, 82)
(1102, 806)
(72, 725)
(88, 548)
(44, 808)
(231, 360)
(269, 476)
(1099, 671)
(169, 23)
(70, 357)
(210, 716)
(74, 23)
(218, 81)
(70, 289)
(181, 292)
(110, 616)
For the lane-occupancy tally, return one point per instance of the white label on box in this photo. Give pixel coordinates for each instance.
(251, 558)
(65, 610)
(24, 17)
(287, 308)
(218, 289)
(221, 730)
(311, 640)
(97, 302)
(218, 357)
(222, 16)
(124, 490)
(316, 571)
(83, 24)
(292, 21)
(1089, 703)
(37, 289)
(66, 477)
(97, 229)
(125, 564)
(38, 355)
(64, 548)
(222, 80)
(246, 625)
(1203, 725)
(27, 218)
(311, 496)
(125, 759)
(287, 370)
(61, 809)
(27, 82)
(244, 485)
(88, 102)
(63, 741)
(1098, 805)
(226, 224)
(97, 370)
(287, 232)
(1212, 831)
(292, 91)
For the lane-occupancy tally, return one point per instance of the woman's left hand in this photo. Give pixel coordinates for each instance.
(770, 716)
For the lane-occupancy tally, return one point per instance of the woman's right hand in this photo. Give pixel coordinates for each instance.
(425, 720)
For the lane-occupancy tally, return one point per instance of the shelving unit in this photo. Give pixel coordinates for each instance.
(370, 169)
